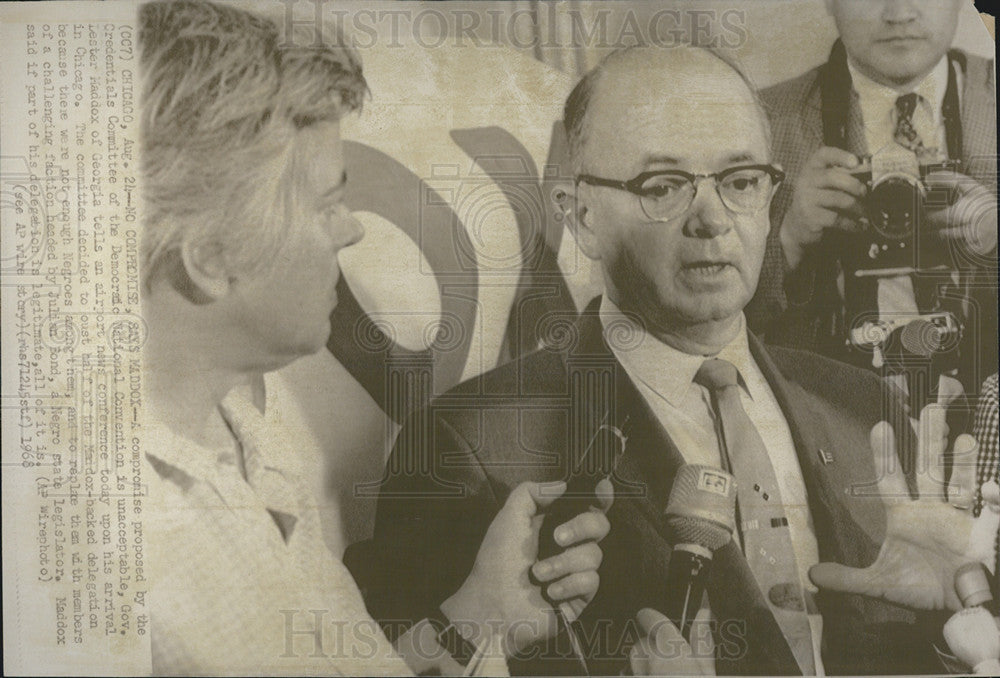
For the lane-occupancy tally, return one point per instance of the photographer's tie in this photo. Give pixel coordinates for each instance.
(767, 540)
(906, 134)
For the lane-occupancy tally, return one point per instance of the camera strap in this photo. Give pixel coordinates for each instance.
(835, 97)
(835, 101)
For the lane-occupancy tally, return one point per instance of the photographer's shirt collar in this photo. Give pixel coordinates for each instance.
(877, 102)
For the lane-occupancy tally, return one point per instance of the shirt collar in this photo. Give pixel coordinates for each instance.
(193, 458)
(163, 444)
(661, 367)
(931, 89)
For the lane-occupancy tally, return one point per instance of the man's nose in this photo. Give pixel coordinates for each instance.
(900, 11)
(708, 217)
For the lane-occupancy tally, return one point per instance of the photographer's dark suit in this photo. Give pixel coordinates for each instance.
(455, 463)
(805, 309)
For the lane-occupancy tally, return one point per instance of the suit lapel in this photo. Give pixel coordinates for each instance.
(840, 538)
(646, 469)
(857, 143)
(747, 637)
(837, 108)
(837, 533)
(844, 127)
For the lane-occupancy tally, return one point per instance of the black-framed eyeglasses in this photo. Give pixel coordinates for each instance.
(665, 194)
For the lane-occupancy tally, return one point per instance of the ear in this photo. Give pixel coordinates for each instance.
(205, 265)
(571, 205)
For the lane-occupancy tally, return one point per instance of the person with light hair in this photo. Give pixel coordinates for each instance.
(243, 196)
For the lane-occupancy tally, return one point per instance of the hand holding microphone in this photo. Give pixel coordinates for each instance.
(662, 651)
(973, 633)
(499, 597)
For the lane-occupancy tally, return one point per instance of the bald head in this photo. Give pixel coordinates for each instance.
(649, 77)
(672, 159)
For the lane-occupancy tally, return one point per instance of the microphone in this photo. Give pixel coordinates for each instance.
(595, 464)
(973, 634)
(700, 519)
(914, 351)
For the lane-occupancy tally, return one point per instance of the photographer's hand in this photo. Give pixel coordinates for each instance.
(825, 196)
(968, 217)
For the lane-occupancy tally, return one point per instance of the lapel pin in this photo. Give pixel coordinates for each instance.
(825, 457)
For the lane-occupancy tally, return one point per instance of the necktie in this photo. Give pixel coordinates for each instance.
(267, 481)
(906, 134)
(767, 541)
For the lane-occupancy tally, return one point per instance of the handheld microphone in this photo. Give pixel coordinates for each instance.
(700, 519)
(973, 633)
(597, 463)
(914, 351)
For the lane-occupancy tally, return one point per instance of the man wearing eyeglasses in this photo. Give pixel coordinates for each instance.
(673, 178)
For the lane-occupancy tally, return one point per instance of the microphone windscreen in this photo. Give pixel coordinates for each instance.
(921, 337)
(702, 507)
(973, 636)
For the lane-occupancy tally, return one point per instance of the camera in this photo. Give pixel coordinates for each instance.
(938, 332)
(892, 236)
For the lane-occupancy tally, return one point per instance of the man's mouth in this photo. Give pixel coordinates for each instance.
(901, 39)
(707, 267)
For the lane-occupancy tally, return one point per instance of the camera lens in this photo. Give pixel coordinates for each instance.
(892, 205)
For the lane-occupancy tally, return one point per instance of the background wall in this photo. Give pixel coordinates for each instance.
(783, 37)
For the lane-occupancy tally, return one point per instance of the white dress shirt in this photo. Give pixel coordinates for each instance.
(877, 102)
(665, 378)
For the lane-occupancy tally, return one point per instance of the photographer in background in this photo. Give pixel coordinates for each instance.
(892, 109)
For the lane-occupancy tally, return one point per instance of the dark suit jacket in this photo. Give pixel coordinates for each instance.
(804, 309)
(455, 463)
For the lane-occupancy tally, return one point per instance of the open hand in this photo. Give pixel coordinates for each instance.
(927, 537)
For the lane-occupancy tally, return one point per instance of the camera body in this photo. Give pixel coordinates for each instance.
(892, 234)
(944, 328)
